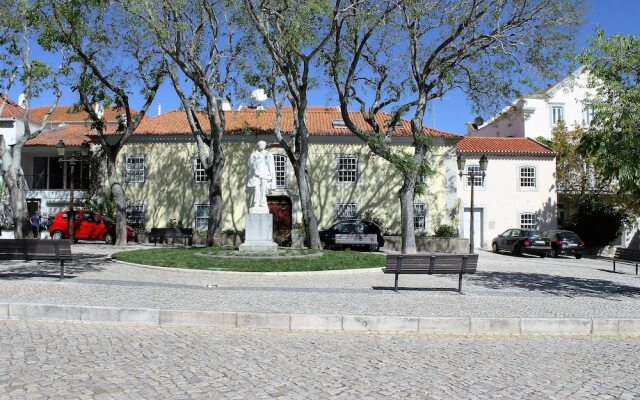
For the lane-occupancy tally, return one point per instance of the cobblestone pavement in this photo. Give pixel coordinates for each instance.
(101, 361)
(505, 286)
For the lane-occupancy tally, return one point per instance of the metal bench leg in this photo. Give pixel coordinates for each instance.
(460, 283)
(61, 269)
(396, 285)
(614, 265)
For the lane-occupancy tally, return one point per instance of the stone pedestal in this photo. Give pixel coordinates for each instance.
(259, 232)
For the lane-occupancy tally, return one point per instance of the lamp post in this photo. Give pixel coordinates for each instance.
(72, 159)
(472, 175)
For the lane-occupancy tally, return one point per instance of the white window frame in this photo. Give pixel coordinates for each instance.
(420, 216)
(140, 219)
(524, 176)
(557, 114)
(135, 172)
(199, 173)
(478, 179)
(587, 115)
(528, 220)
(346, 211)
(198, 219)
(280, 163)
(347, 170)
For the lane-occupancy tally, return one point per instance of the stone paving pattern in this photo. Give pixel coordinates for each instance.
(100, 361)
(505, 286)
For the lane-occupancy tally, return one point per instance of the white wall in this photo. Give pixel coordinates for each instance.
(503, 201)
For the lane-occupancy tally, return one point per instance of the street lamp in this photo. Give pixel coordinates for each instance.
(72, 159)
(472, 174)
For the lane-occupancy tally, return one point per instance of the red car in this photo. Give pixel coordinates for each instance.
(88, 225)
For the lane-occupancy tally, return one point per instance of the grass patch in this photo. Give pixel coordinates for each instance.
(188, 259)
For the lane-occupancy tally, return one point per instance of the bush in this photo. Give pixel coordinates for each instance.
(597, 222)
(446, 231)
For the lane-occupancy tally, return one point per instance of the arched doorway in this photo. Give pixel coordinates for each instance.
(281, 209)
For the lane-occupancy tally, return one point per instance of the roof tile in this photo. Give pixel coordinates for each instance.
(502, 145)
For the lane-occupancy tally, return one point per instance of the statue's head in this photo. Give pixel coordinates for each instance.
(262, 145)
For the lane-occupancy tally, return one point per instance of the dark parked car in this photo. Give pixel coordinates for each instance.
(522, 241)
(352, 233)
(565, 242)
(88, 225)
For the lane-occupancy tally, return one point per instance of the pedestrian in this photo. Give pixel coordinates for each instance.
(35, 224)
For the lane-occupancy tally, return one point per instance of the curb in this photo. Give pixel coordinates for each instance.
(325, 323)
(289, 273)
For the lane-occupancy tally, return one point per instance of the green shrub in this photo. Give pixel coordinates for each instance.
(446, 231)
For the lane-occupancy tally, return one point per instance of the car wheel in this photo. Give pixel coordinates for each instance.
(57, 235)
(109, 239)
(494, 247)
(517, 250)
(543, 255)
(578, 256)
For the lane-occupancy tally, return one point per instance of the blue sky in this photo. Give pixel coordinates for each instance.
(450, 113)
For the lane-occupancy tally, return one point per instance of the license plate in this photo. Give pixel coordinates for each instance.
(540, 242)
(571, 245)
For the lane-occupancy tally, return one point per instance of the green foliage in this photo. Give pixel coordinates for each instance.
(370, 215)
(544, 141)
(597, 222)
(613, 138)
(102, 202)
(445, 231)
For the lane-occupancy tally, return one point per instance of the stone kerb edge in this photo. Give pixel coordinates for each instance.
(325, 323)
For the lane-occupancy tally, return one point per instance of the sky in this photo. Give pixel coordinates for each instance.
(450, 113)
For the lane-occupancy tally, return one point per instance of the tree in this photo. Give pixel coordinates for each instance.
(613, 137)
(294, 35)
(198, 40)
(401, 55)
(113, 57)
(18, 19)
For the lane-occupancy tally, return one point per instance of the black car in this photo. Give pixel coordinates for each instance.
(352, 233)
(522, 241)
(565, 242)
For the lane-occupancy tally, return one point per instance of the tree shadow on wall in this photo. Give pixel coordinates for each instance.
(553, 284)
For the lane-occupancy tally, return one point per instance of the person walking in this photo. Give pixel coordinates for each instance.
(35, 224)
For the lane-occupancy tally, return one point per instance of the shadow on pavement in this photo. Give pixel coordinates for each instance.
(38, 269)
(553, 284)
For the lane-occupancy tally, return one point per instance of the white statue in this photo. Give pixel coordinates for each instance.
(261, 174)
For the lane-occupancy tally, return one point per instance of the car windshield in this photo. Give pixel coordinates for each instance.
(568, 235)
(532, 234)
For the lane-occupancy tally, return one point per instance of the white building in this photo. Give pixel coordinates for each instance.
(536, 115)
(518, 191)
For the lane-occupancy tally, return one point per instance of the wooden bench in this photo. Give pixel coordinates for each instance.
(162, 234)
(431, 264)
(626, 256)
(36, 249)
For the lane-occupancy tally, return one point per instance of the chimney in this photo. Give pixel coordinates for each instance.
(159, 109)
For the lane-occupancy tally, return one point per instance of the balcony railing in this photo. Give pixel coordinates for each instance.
(55, 182)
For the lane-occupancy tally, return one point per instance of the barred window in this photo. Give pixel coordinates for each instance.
(347, 211)
(199, 173)
(477, 177)
(202, 216)
(528, 221)
(134, 168)
(347, 169)
(280, 162)
(420, 216)
(135, 213)
(527, 177)
(557, 114)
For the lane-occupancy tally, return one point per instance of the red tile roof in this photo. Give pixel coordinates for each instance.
(13, 110)
(502, 145)
(319, 119)
(71, 136)
(69, 115)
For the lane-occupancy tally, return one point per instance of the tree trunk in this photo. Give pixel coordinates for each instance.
(214, 229)
(120, 199)
(407, 195)
(309, 218)
(21, 223)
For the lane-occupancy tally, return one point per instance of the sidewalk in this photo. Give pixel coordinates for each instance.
(508, 295)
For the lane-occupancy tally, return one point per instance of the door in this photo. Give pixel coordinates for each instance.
(478, 226)
(33, 205)
(281, 209)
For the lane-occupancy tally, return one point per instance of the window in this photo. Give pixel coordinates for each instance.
(135, 213)
(528, 221)
(557, 114)
(420, 216)
(587, 115)
(347, 211)
(477, 178)
(202, 216)
(280, 162)
(527, 177)
(347, 169)
(134, 168)
(199, 173)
